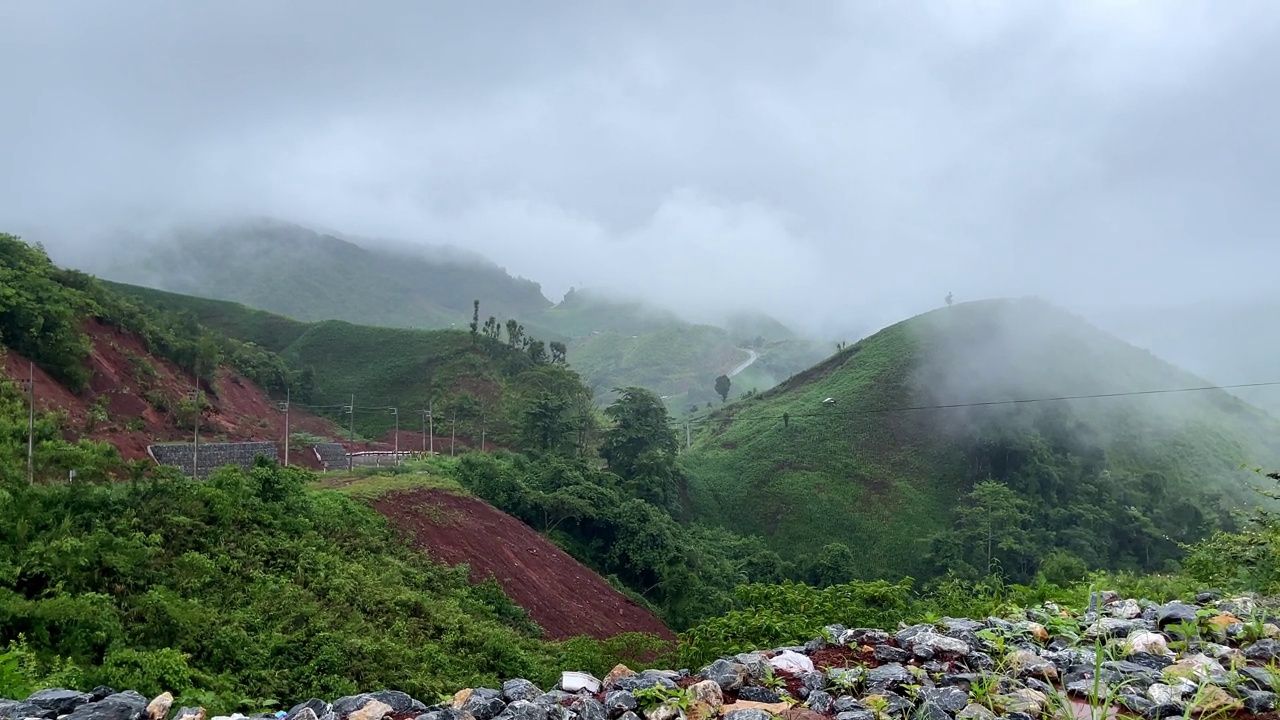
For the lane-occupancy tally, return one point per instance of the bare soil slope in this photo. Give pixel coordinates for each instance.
(561, 594)
(140, 394)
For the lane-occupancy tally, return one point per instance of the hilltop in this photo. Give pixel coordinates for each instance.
(311, 276)
(1112, 482)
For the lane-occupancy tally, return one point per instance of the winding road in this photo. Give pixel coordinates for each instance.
(747, 363)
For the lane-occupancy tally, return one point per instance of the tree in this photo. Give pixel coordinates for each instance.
(722, 387)
(949, 298)
(992, 520)
(641, 446)
(835, 565)
(537, 352)
(475, 320)
(515, 334)
(546, 426)
(559, 353)
(492, 328)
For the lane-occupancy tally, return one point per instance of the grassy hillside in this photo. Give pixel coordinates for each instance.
(387, 367)
(308, 276)
(888, 482)
(311, 276)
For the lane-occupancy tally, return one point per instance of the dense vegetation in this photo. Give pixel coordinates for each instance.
(313, 277)
(44, 310)
(1110, 483)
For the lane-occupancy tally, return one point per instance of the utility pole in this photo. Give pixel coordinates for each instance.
(453, 437)
(352, 409)
(686, 435)
(395, 412)
(195, 443)
(31, 423)
(431, 428)
(483, 420)
(287, 397)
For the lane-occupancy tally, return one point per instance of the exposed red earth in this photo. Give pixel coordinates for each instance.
(561, 594)
(141, 393)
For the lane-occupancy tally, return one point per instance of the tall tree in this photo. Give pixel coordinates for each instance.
(992, 521)
(475, 320)
(558, 352)
(722, 387)
(641, 445)
(537, 352)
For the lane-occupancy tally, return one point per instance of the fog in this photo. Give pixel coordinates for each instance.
(838, 165)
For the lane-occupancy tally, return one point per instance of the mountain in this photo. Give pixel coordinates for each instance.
(855, 451)
(1227, 342)
(311, 276)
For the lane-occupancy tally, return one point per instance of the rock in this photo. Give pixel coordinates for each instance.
(974, 711)
(730, 676)
(665, 711)
(1108, 627)
(13, 710)
(951, 699)
(865, 636)
(643, 681)
(960, 624)
(190, 713)
(772, 708)
(158, 709)
(588, 708)
(758, 694)
(1258, 701)
(856, 715)
(1239, 606)
(617, 702)
(709, 692)
(617, 673)
(482, 704)
(1264, 650)
(813, 681)
(520, 689)
(1027, 701)
(521, 709)
(1194, 668)
(892, 703)
(448, 713)
(1175, 612)
(1147, 660)
(820, 701)
(1162, 694)
(887, 676)
(1146, 642)
(979, 661)
(939, 644)
(126, 705)
(844, 680)
(1025, 663)
(376, 710)
(1124, 610)
(758, 667)
(629, 716)
(846, 704)
(318, 707)
(1213, 699)
(749, 714)
(101, 692)
(1155, 712)
(889, 653)
(400, 702)
(61, 702)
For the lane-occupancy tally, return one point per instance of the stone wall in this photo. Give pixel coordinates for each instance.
(211, 455)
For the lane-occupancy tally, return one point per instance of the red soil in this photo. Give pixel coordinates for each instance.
(141, 393)
(561, 594)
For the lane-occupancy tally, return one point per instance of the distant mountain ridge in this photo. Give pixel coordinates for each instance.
(310, 276)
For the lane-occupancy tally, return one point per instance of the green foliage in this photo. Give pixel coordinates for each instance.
(248, 586)
(722, 387)
(1118, 483)
(40, 316)
(641, 446)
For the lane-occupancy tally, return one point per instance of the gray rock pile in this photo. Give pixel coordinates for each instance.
(1126, 657)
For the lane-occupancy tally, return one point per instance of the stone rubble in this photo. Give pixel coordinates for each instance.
(1122, 656)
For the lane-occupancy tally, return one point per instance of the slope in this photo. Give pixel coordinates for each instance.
(805, 472)
(566, 598)
(311, 276)
(472, 385)
(112, 370)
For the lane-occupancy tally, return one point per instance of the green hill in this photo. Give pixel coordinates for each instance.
(1111, 481)
(383, 367)
(308, 276)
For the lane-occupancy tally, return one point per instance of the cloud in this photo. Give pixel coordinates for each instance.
(838, 164)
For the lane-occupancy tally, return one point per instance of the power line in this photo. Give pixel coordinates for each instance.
(986, 403)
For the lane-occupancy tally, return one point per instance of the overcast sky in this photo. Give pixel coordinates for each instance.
(837, 163)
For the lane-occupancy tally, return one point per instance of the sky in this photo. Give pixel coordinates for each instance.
(841, 165)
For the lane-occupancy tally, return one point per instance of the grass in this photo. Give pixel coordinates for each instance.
(882, 482)
(373, 483)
